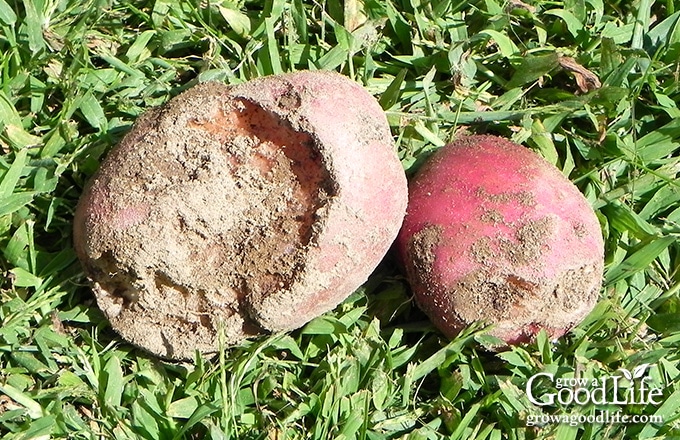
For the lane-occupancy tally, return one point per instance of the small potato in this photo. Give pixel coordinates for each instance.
(495, 233)
(251, 208)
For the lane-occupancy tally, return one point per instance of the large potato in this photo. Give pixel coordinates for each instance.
(251, 208)
(495, 233)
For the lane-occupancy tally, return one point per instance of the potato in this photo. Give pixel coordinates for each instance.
(251, 208)
(495, 233)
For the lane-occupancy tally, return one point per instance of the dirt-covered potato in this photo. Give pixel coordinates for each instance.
(495, 233)
(252, 208)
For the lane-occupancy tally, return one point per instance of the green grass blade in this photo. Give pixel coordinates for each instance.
(639, 260)
(11, 177)
(33, 408)
(7, 15)
(14, 202)
(112, 382)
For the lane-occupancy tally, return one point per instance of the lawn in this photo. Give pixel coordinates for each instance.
(592, 85)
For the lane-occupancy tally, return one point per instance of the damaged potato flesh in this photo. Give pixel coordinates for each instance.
(211, 208)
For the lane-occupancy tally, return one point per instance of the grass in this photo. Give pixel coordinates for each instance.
(592, 85)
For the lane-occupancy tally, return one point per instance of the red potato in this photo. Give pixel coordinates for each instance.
(253, 208)
(495, 233)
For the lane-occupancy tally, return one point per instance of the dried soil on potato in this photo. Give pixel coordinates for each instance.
(208, 228)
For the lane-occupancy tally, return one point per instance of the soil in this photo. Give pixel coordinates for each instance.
(215, 200)
(518, 306)
(421, 251)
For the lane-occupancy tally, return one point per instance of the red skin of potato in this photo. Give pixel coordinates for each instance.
(495, 233)
(157, 261)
